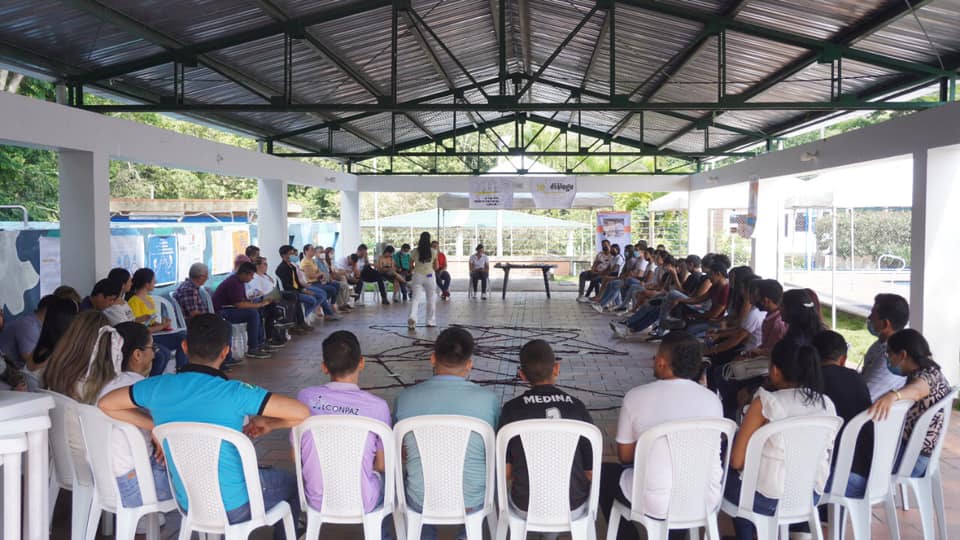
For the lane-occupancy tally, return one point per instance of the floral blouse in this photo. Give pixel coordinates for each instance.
(939, 387)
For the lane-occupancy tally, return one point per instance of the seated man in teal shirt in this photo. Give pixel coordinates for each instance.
(449, 392)
(200, 392)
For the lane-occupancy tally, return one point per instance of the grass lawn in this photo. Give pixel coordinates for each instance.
(854, 329)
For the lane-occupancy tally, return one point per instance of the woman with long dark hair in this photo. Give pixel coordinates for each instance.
(798, 391)
(908, 354)
(802, 314)
(145, 312)
(424, 262)
(59, 315)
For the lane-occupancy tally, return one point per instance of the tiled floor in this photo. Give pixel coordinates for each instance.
(594, 368)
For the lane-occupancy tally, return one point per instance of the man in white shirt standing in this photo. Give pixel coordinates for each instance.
(479, 271)
(673, 396)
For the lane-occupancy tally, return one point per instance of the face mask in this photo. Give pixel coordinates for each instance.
(294, 259)
(872, 329)
(894, 369)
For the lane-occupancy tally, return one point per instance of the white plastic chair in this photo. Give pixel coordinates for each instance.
(695, 448)
(442, 443)
(886, 440)
(339, 443)
(549, 447)
(805, 441)
(11, 448)
(166, 308)
(178, 317)
(70, 469)
(928, 488)
(99, 431)
(194, 449)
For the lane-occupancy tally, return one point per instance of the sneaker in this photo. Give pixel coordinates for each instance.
(483, 296)
(333, 317)
(411, 324)
(597, 307)
(270, 347)
(618, 332)
(582, 299)
(234, 361)
(258, 354)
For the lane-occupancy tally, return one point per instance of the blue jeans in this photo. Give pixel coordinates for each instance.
(173, 342)
(443, 280)
(250, 317)
(130, 496)
(321, 297)
(764, 506)
(309, 302)
(856, 485)
(277, 486)
(644, 317)
(669, 302)
(633, 287)
(611, 292)
(918, 469)
(160, 360)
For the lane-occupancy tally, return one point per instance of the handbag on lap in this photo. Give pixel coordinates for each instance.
(749, 368)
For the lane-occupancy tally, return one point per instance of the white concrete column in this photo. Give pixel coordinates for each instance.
(765, 256)
(934, 255)
(697, 227)
(349, 222)
(272, 231)
(84, 218)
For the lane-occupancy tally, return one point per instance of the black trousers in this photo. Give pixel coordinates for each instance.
(370, 274)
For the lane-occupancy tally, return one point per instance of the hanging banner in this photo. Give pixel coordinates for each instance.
(491, 193)
(126, 251)
(553, 193)
(614, 227)
(746, 225)
(49, 264)
(162, 257)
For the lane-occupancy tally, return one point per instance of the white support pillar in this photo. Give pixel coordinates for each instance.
(697, 227)
(272, 228)
(84, 218)
(349, 222)
(934, 254)
(765, 256)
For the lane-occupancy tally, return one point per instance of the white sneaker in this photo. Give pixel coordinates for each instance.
(396, 296)
(618, 332)
(582, 299)
(483, 296)
(597, 307)
(411, 324)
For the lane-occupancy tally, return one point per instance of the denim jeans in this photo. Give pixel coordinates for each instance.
(173, 342)
(277, 486)
(611, 292)
(130, 496)
(428, 531)
(322, 297)
(918, 469)
(309, 302)
(856, 485)
(669, 302)
(250, 317)
(443, 280)
(482, 277)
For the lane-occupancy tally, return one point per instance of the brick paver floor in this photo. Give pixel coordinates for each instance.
(594, 368)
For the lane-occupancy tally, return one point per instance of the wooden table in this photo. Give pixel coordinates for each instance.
(506, 267)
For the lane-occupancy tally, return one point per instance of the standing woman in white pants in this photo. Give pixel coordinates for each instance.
(424, 284)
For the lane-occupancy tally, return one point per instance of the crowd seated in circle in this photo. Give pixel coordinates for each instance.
(731, 344)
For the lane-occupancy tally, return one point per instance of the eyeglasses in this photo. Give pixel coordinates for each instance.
(155, 347)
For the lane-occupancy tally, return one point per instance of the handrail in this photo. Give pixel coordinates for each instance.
(215, 218)
(26, 217)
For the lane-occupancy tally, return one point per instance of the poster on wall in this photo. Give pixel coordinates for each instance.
(162, 258)
(553, 193)
(221, 248)
(614, 227)
(191, 243)
(126, 251)
(240, 239)
(491, 193)
(49, 264)
(746, 225)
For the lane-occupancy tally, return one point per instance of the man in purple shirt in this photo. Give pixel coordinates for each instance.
(230, 302)
(343, 363)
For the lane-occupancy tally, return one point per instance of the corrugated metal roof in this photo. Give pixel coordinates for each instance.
(652, 41)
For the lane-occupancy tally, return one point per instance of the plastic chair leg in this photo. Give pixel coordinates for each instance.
(835, 521)
(713, 530)
(474, 525)
(288, 529)
(399, 525)
(815, 527)
(893, 523)
(694, 533)
(502, 526)
(93, 521)
(185, 531)
(904, 497)
(579, 529)
(923, 491)
(656, 530)
(313, 528)
(414, 525)
(81, 512)
(11, 495)
(492, 523)
(613, 524)
(936, 485)
(860, 520)
(127, 526)
(371, 526)
(766, 529)
(153, 526)
(785, 531)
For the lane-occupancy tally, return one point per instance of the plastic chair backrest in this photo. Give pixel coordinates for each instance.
(696, 449)
(805, 443)
(339, 443)
(99, 432)
(66, 443)
(549, 447)
(886, 442)
(193, 449)
(919, 433)
(207, 297)
(170, 309)
(441, 441)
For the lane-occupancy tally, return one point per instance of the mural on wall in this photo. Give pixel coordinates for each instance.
(17, 273)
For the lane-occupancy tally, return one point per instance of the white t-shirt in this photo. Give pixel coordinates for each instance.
(777, 406)
(259, 286)
(753, 323)
(642, 266)
(478, 263)
(652, 404)
(120, 447)
(118, 313)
